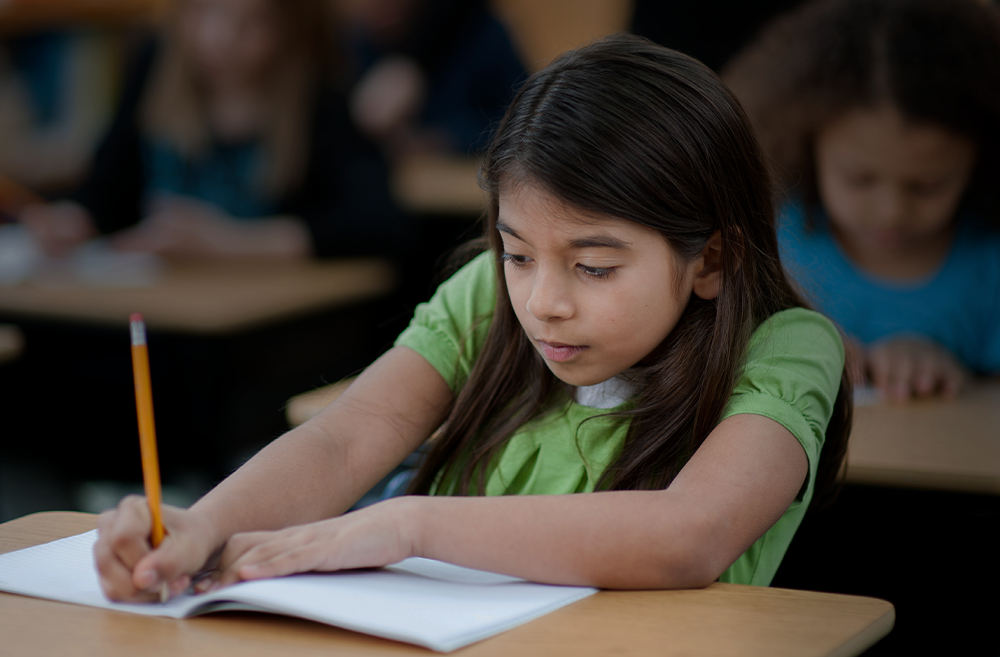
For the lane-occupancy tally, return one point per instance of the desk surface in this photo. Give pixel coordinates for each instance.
(439, 185)
(210, 297)
(724, 619)
(931, 443)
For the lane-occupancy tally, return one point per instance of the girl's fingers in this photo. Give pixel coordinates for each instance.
(952, 381)
(878, 367)
(255, 549)
(901, 378)
(129, 567)
(115, 577)
(126, 530)
(293, 559)
(928, 374)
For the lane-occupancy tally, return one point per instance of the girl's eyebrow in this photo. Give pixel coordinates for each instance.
(589, 242)
(504, 228)
(599, 241)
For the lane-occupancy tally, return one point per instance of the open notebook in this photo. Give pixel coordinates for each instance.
(420, 601)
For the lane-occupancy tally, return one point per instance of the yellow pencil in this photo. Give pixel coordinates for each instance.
(147, 431)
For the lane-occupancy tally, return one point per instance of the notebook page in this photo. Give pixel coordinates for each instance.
(428, 603)
(64, 570)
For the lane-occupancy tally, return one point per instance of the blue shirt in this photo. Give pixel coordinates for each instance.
(226, 175)
(958, 306)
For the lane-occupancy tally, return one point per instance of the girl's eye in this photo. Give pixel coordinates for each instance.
(926, 189)
(516, 260)
(597, 272)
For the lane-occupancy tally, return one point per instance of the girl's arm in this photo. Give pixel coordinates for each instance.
(738, 483)
(315, 471)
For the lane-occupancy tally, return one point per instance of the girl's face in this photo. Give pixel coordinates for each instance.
(888, 184)
(594, 294)
(230, 42)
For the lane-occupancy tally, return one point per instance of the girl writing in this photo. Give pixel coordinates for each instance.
(881, 119)
(629, 392)
(231, 141)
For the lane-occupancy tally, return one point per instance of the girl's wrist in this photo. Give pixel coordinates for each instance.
(409, 516)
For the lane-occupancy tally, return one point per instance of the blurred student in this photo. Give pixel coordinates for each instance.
(882, 118)
(432, 75)
(231, 141)
(56, 98)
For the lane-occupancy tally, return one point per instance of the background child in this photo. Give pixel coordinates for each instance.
(230, 140)
(882, 120)
(629, 335)
(432, 75)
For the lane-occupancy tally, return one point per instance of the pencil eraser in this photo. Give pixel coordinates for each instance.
(135, 317)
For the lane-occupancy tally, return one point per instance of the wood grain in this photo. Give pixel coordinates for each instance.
(723, 619)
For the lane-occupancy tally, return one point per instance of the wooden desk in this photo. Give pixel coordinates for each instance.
(211, 297)
(303, 407)
(723, 619)
(438, 185)
(11, 343)
(932, 443)
(541, 29)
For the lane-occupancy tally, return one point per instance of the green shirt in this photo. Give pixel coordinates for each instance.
(792, 375)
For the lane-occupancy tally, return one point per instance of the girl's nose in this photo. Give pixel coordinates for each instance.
(892, 208)
(550, 298)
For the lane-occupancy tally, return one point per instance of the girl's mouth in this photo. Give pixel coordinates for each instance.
(559, 352)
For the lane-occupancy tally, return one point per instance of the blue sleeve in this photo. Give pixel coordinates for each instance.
(990, 352)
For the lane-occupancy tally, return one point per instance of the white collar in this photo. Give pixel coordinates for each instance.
(606, 394)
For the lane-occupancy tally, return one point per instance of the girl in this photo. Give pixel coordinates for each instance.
(230, 141)
(628, 336)
(882, 119)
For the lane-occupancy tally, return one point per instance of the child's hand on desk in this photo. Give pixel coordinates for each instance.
(913, 367)
(377, 535)
(58, 227)
(189, 228)
(129, 568)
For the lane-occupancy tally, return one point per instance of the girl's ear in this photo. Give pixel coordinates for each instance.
(709, 276)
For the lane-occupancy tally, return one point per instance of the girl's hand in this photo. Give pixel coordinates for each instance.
(58, 227)
(129, 568)
(912, 367)
(186, 227)
(377, 535)
(182, 227)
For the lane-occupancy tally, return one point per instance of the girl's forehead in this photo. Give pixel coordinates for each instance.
(531, 210)
(533, 203)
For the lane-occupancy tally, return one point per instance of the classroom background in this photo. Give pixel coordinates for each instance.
(242, 347)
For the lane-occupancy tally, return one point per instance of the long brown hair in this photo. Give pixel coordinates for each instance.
(628, 129)
(174, 105)
(935, 61)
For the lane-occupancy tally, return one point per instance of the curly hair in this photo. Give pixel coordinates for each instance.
(935, 61)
